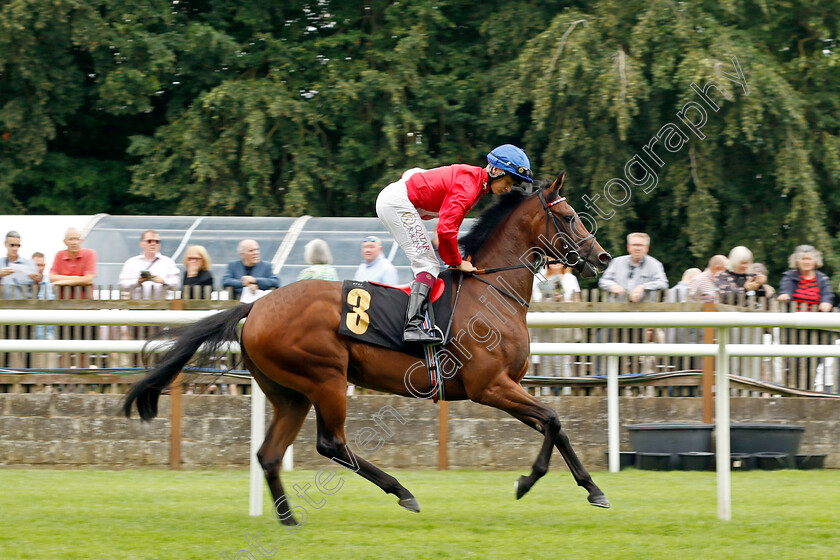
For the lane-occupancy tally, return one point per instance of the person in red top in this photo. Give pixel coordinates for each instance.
(72, 267)
(804, 284)
(447, 193)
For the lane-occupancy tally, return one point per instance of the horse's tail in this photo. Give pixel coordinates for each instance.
(211, 332)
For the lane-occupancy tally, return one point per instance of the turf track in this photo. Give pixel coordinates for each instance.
(147, 514)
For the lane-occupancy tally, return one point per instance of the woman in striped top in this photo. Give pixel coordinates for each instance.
(804, 284)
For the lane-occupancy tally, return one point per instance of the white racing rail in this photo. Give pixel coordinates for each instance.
(722, 350)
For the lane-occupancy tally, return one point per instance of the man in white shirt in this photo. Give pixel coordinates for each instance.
(374, 266)
(147, 274)
(17, 274)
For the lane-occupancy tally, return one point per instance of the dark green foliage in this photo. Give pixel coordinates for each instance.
(290, 108)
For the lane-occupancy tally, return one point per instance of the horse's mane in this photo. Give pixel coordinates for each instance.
(493, 216)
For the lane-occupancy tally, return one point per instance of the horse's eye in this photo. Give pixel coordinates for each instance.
(569, 218)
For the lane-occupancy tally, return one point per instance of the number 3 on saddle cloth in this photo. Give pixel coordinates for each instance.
(375, 313)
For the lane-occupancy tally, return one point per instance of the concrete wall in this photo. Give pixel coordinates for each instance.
(58, 430)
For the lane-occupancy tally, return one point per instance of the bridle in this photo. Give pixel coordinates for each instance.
(542, 260)
(567, 248)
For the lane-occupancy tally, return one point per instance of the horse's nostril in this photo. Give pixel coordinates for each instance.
(604, 258)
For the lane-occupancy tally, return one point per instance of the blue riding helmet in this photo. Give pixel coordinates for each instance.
(512, 160)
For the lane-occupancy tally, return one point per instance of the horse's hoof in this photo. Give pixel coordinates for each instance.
(410, 504)
(600, 501)
(521, 486)
(290, 521)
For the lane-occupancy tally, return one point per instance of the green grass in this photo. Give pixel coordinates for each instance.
(147, 514)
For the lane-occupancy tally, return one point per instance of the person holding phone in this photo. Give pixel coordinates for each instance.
(17, 274)
(149, 274)
(740, 279)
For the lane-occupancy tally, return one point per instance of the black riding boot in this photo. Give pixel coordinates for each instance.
(414, 314)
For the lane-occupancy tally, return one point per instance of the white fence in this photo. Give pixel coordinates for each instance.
(721, 321)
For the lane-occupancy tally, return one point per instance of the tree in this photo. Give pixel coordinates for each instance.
(597, 85)
(279, 108)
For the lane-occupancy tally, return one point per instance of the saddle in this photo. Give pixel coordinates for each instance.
(375, 313)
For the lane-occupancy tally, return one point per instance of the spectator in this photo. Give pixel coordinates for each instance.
(44, 292)
(74, 268)
(679, 293)
(18, 275)
(374, 266)
(737, 281)
(149, 274)
(560, 284)
(317, 255)
(704, 287)
(249, 272)
(197, 276)
(804, 284)
(636, 273)
(764, 290)
(44, 285)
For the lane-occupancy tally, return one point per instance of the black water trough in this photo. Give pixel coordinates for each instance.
(672, 438)
(807, 461)
(625, 459)
(771, 460)
(653, 461)
(695, 460)
(752, 438)
(741, 462)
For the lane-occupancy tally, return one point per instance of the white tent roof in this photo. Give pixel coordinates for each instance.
(282, 239)
(44, 234)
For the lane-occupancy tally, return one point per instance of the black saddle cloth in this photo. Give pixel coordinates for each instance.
(375, 313)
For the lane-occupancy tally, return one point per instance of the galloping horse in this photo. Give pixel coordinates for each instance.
(291, 345)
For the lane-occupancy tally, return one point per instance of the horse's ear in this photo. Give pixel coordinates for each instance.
(558, 182)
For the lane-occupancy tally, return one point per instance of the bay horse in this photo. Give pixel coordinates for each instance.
(291, 345)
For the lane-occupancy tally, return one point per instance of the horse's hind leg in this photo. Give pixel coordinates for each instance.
(290, 409)
(331, 411)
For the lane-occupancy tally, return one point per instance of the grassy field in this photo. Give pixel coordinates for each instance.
(146, 514)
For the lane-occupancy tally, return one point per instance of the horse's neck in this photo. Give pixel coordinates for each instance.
(510, 247)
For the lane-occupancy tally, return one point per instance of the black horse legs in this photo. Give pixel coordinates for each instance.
(332, 444)
(526, 408)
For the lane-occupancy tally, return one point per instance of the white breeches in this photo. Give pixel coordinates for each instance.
(403, 221)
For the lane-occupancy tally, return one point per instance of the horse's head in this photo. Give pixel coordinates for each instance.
(562, 235)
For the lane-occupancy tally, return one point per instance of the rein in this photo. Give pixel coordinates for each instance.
(502, 291)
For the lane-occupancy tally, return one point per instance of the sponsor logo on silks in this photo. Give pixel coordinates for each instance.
(416, 232)
(417, 236)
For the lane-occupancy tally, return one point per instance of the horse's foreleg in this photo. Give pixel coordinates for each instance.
(582, 476)
(331, 413)
(509, 396)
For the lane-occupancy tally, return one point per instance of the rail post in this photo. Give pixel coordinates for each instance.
(707, 381)
(443, 435)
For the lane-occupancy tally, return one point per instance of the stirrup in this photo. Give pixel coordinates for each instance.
(417, 334)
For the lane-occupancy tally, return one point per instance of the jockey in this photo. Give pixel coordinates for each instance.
(447, 193)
